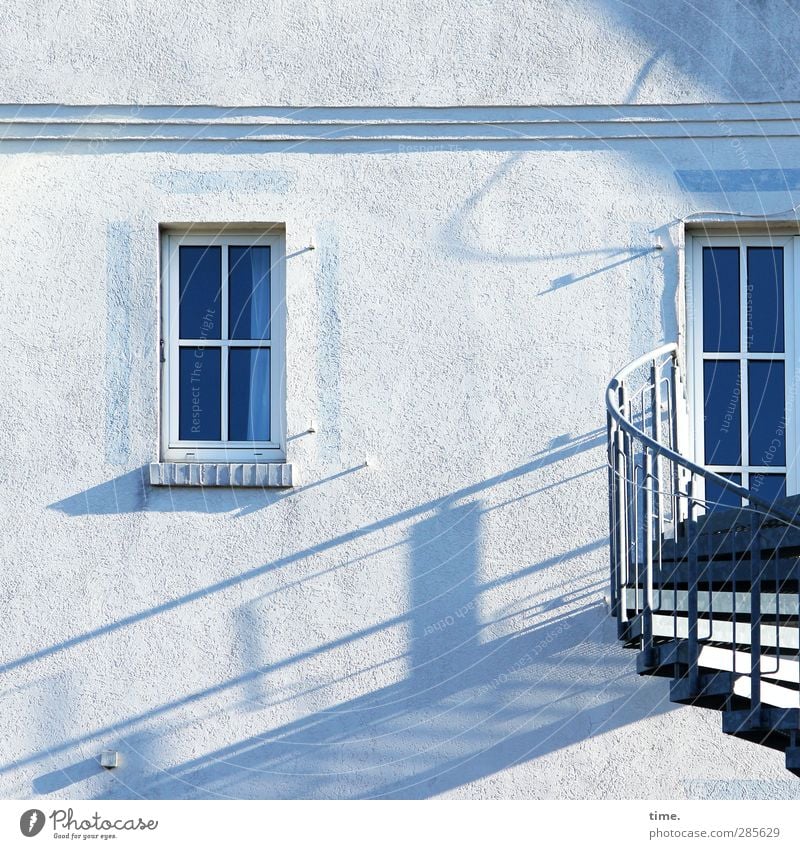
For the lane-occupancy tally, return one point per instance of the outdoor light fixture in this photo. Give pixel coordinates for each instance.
(109, 759)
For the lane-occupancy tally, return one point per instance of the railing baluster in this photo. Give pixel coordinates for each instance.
(647, 607)
(706, 571)
(774, 557)
(622, 549)
(611, 436)
(735, 610)
(636, 513)
(755, 611)
(672, 467)
(674, 436)
(630, 513)
(692, 606)
(655, 400)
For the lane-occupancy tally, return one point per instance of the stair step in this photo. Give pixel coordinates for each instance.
(718, 520)
(772, 668)
(761, 724)
(729, 542)
(661, 660)
(709, 690)
(793, 759)
(787, 637)
(771, 694)
(720, 601)
(785, 571)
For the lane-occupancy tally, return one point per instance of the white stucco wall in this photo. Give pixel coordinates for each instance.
(433, 623)
(428, 52)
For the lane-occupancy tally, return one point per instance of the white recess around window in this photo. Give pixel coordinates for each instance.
(742, 366)
(223, 347)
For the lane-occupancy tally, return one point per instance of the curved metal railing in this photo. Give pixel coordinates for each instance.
(679, 566)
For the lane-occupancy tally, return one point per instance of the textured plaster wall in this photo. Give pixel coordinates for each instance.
(433, 623)
(371, 52)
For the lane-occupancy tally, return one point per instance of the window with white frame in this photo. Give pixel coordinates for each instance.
(222, 347)
(742, 362)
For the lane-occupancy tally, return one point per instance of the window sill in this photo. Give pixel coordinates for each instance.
(262, 475)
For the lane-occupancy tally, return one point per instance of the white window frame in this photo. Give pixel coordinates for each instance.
(224, 450)
(695, 355)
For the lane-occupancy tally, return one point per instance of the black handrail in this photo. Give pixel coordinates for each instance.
(619, 420)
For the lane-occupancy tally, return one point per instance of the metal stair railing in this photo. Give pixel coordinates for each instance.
(657, 498)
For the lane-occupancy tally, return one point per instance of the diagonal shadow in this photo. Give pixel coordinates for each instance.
(466, 708)
(470, 703)
(466, 711)
(561, 450)
(254, 675)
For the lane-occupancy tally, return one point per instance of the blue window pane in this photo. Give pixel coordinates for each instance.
(720, 299)
(719, 498)
(769, 488)
(765, 299)
(722, 412)
(249, 306)
(200, 291)
(766, 395)
(248, 394)
(199, 393)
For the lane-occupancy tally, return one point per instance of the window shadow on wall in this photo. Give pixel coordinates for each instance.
(132, 493)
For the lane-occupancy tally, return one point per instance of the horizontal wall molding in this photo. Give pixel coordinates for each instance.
(185, 125)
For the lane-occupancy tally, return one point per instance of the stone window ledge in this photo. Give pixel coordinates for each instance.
(260, 475)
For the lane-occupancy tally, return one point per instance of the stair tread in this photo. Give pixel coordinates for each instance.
(783, 570)
(720, 519)
(772, 694)
(723, 544)
(787, 637)
(764, 719)
(709, 689)
(670, 598)
(716, 658)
